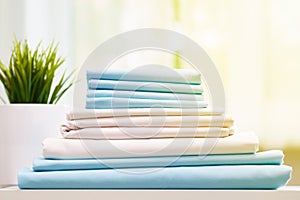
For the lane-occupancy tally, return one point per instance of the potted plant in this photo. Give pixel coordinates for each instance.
(33, 88)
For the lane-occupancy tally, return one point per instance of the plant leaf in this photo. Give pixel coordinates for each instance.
(31, 74)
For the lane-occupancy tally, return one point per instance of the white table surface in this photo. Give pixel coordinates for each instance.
(285, 193)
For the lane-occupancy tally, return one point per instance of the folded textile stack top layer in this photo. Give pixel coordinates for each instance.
(152, 129)
(147, 88)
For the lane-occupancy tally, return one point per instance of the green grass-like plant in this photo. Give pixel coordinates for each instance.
(29, 77)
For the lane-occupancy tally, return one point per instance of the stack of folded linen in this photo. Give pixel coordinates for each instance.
(136, 134)
(142, 123)
(116, 88)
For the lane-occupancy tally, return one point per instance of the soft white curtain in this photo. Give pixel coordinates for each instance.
(255, 45)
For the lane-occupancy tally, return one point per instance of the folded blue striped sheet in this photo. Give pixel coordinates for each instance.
(111, 102)
(203, 177)
(151, 74)
(145, 86)
(143, 95)
(274, 157)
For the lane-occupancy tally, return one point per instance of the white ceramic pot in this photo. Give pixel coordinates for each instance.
(23, 127)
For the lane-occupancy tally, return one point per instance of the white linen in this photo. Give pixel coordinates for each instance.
(60, 148)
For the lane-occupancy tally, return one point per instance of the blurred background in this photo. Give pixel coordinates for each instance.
(255, 44)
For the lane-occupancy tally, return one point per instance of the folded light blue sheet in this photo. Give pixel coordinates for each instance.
(155, 74)
(273, 157)
(111, 102)
(145, 86)
(211, 177)
(143, 95)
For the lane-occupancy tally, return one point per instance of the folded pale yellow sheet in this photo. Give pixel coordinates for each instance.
(100, 113)
(152, 121)
(143, 132)
(60, 148)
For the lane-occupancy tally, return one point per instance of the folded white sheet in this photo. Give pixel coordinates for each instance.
(143, 132)
(122, 112)
(60, 148)
(152, 121)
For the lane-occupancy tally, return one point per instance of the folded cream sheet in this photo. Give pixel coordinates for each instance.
(152, 121)
(143, 132)
(122, 112)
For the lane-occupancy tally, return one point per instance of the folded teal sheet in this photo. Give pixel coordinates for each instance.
(145, 86)
(142, 95)
(273, 157)
(155, 74)
(211, 177)
(111, 102)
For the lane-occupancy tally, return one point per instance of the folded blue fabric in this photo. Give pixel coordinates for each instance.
(155, 73)
(211, 177)
(111, 102)
(145, 86)
(273, 157)
(143, 95)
